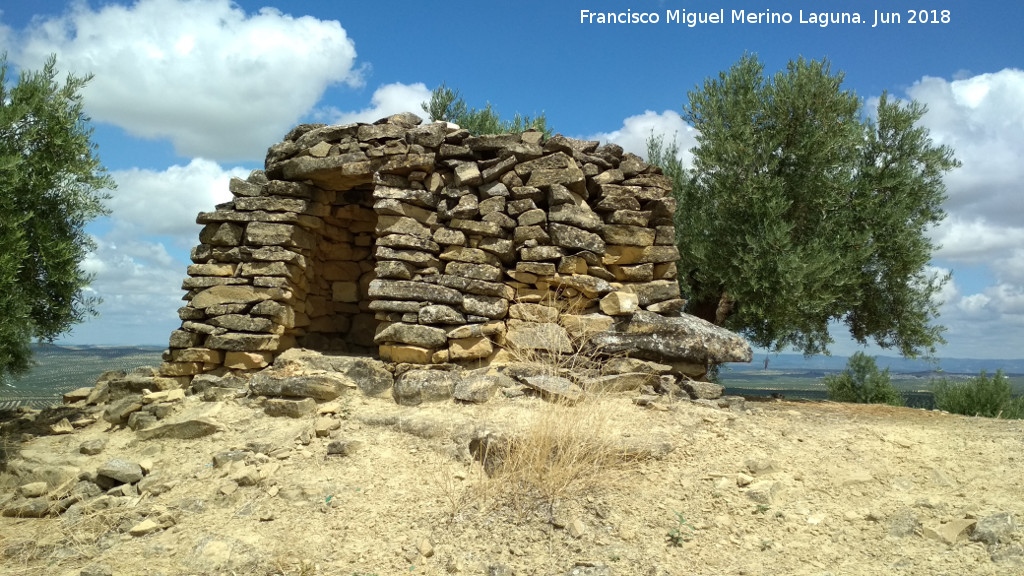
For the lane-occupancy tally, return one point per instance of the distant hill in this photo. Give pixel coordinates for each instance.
(59, 369)
(894, 364)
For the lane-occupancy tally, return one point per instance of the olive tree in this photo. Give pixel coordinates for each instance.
(802, 210)
(51, 184)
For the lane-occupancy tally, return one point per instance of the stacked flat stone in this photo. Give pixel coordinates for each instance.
(427, 245)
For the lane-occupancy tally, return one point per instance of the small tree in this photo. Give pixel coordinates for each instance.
(862, 383)
(983, 395)
(801, 210)
(447, 104)
(50, 183)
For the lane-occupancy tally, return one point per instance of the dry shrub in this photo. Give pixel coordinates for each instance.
(561, 452)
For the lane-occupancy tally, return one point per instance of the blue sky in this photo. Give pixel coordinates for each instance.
(188, 93)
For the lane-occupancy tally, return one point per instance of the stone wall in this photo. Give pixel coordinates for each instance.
(423, 244)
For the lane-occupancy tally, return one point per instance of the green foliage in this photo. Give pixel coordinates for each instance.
(800, 210)
(681, 533)
(983, 395)
(50, 178)
(861, 382)
(447, 104)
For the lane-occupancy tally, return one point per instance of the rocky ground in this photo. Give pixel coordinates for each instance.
(364, 486)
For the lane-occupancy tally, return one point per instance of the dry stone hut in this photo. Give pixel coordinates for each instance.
(423, 244)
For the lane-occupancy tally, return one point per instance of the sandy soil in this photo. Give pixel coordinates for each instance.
(761, 489)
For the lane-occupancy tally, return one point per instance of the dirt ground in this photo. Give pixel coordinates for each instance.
(762, 488)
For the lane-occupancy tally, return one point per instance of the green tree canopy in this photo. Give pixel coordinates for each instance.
(448, 105)
(801, 210)
(861, 382)
(50, 187)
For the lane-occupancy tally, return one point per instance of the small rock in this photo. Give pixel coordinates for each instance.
(224, 458)
(120, 471)
(31, 508)
(93, 447)
(950, 532)
(425, 548)
(758, 466)
(33, 489)
(278, 407)
(764, 491)
(246, 476)
(994, 529)
(147, 526)
(903, 523)
(324, 425)
(344, 447)
(576, 528)
(555, 388)
(743, 479)
(62, 427)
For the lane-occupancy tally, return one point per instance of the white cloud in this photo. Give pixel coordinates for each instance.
(966, 240)
(635, 131)
(216, 81)
(140, 284)
(982, 119)
(973, 304)
(387, 100)
(139, 261)
(165, 203)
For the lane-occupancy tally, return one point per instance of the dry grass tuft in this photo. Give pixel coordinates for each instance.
(561, 452)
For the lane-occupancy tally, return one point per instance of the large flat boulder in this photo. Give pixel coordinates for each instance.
(650, 336)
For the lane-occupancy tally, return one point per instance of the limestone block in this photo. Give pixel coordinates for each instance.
(224, 234)
(628, 235)
(655, 291)
(638, 273)
(541, 253)
(626, 255)
(634, 218)
(486, 306)
(575, 238)
(196, 355)
(503, 248)
(547, 337)
(620, 303)
(418, 291)
(471, 255)
(208, 281)
(473, 286)
(414, 334)
(523, 234)
(345, 291)
(476, 271)
(448, 236)
(532, 217)
(181, 368)
(394, 269)
(241, 342)
(242, 323)
(533, 313)
(468, 174)
(580, 216)
(417, 258)
(400, 353)
(185, 339)
(247, 360)
(272, 234)
(440, 314)
(472, 348)
(401, 225)
(211, 269)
